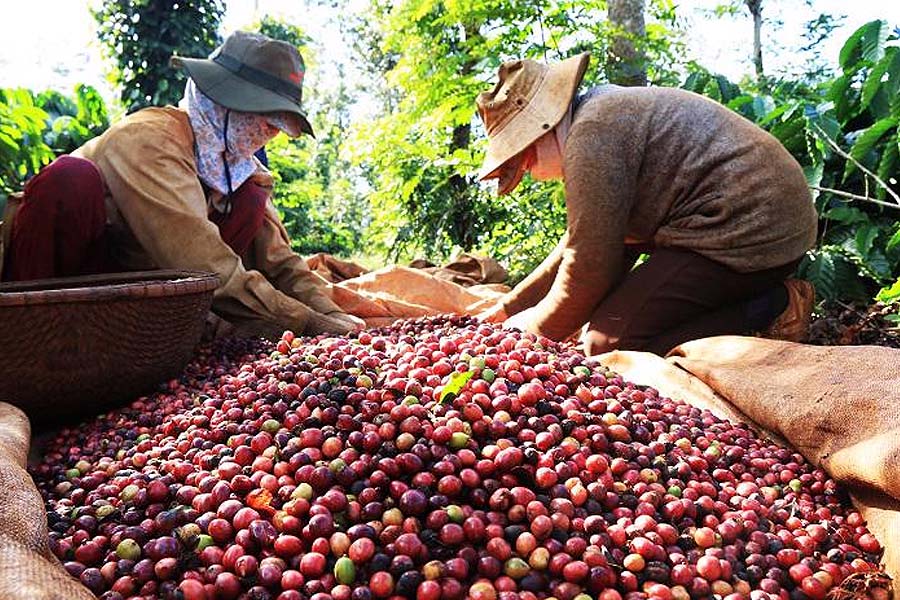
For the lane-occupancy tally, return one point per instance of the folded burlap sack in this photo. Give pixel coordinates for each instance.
(839, 406)
(28, 569)
(334, 269)
(392, 293)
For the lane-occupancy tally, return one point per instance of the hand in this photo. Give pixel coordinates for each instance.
(216, 327)
(494, 314)
(336, 322)
(521, 321)
(358, 324)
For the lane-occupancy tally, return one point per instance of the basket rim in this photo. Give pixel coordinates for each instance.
(108, 286)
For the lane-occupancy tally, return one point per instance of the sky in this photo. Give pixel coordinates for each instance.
(52, 43)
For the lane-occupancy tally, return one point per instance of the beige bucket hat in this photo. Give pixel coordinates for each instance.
(253, 73)
(529, 100)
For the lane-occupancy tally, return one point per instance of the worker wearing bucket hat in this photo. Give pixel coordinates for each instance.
(254, 74)
(180, 188)
(719, 205)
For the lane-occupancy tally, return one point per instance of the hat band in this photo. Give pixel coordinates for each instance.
(259, 77)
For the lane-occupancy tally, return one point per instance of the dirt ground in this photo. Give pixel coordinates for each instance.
(857, 324)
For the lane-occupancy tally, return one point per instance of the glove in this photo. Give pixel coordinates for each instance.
(336, 322)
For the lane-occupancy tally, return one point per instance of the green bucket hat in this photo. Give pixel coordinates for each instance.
(251, 73)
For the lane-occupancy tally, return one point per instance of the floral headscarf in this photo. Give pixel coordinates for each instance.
(225, 140)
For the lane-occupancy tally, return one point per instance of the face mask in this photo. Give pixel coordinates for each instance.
(225, 140)
(510, 174)
(548, 161)
(550, 151)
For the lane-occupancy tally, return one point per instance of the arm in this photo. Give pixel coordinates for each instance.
(533, 288)
(271, 253)
(601, 174)
(154, 184)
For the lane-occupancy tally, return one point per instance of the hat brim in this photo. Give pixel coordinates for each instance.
(231, 91)
(541, 114)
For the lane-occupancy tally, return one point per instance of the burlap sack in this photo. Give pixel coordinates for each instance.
(392, 293)
(839, 406)
(334, 269)
(28, 569)
(467, 270)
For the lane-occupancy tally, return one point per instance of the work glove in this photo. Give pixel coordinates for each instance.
(336, 322)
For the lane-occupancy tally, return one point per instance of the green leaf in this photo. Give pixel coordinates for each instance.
(887, 167)
(841, 94)
(762, 106)
(847, 215)
(892, 85)
(818, 268)
(823, 117)
(880, 107)
(833, 274)
(455, 385)
(696, 82)
(890, 294)
(727, 90)
(874, 39)
(865, 237)
(867, 140)
(877, 266)
(866, 43)
(792, 134)
(813, 174)
(774, 114)
(850, 51)
(8, 142)
(874, 79)
(894, 241)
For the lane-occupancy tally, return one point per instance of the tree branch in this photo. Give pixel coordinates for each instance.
(850, 196)
(861, 167)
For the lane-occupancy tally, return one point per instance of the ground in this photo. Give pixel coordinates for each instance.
(857, 324)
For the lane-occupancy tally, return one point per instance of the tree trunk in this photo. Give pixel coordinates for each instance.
(626, 64)
(463, 226)
(755, 8)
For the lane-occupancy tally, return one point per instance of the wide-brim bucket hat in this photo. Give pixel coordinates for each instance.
(529, 99)
(253, 73)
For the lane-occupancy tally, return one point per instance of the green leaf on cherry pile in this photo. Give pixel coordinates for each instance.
(457, 382)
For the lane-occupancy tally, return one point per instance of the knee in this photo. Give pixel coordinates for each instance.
(73, 167)
(68, 178)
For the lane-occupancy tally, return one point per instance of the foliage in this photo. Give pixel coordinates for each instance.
(844, 132)
(280, 30)
(427, 61)
(318, 202)
(72, 121)
(817, 31)
(22, 149)
(34, 129)
(142, 35)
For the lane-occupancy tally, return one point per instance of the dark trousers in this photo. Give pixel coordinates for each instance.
(677, 295)
(60, 229)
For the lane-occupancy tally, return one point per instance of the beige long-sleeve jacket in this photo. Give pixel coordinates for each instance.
(158, 218)
(668, 168)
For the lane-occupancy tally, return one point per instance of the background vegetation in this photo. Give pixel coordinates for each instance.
(398, 184)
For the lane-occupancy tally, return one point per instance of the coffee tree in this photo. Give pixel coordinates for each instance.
(141, 36)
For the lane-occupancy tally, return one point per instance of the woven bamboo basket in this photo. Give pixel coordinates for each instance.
(74, 347)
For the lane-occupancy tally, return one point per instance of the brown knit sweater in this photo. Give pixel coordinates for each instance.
(668, 168)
